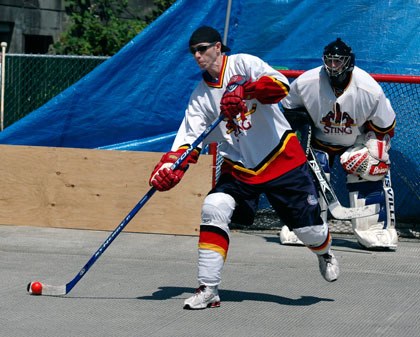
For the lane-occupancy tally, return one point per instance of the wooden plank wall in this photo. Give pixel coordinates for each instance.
(96, 189)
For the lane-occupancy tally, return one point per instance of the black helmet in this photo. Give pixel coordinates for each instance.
(338, 62)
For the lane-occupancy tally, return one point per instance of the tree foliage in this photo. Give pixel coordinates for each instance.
(102, 27)
(160, 7)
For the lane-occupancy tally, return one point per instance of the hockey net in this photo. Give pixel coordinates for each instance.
(404, 93)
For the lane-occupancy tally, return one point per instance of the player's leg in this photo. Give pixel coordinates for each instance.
(376, 231)
(287, 236)
(296, 202)
(213, 246)
(218, 210)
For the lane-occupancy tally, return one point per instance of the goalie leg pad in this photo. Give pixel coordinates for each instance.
(214, 237)
(376, 231)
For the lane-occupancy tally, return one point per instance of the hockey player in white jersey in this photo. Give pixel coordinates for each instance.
(351, 118)
(261, 154)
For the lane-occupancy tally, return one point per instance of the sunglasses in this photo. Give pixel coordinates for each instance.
(201, 49)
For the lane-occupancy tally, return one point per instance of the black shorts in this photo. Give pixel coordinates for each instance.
(293, 196)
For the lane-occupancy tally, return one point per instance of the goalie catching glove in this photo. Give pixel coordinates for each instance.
(163, 178)
(369, 161)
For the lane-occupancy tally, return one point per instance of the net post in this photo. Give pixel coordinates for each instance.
(2, 72)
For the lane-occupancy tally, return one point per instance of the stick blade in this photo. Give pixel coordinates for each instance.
(38, 288)
(344, 213)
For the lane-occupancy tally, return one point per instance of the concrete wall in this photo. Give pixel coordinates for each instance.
(42, 17)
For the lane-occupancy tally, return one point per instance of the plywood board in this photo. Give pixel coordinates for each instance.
(96, 189)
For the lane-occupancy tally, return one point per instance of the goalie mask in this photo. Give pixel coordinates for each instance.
(338, 63)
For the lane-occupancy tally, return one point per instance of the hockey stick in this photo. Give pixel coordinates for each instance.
(337, 210)
(38, 288)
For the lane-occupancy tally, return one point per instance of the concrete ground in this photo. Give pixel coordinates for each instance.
(138, 286)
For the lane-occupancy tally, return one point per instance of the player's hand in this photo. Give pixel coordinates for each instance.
(232, 102)
(163, 178)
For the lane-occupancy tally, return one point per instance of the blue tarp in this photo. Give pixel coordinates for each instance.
(136, 99)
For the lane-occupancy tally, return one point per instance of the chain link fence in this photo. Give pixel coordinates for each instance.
(32, 80)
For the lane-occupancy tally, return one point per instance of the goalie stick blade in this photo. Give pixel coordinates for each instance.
(344, 213)
(46, 289)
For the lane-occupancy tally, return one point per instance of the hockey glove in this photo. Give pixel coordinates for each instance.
(232, 102)
(163, 178)
(369, 161)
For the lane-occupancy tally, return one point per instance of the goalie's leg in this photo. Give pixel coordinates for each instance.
(376, 231)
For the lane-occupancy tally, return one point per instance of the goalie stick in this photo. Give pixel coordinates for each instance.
(337, 210)
(302, 124)
(60, 290)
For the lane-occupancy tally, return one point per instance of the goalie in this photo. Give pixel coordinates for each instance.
(351, 118)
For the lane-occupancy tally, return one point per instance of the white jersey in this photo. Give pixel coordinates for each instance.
(262, 136)
(339, 120)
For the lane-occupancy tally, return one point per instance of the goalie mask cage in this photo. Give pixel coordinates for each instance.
(404, 92)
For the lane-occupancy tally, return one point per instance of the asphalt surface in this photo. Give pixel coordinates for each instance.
(138, 286)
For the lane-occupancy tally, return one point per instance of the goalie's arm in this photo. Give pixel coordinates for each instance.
(298, 117)
(302, 124)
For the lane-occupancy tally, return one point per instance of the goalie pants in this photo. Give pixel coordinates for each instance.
(294, 198)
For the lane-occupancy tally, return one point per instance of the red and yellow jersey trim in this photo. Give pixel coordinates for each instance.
(284, 158)
(381, 131)
(210, 81)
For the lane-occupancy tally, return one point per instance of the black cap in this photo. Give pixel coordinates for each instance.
(207, 34)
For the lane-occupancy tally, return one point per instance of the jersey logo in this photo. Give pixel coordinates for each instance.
(337, 122)
(238, 125)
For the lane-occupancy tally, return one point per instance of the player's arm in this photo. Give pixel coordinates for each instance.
(267, 90)
(381, 133)
(265, 84)
(381, 121)
(163, 178)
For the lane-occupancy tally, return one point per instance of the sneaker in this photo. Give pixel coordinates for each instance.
(328, 266)
(204, 297)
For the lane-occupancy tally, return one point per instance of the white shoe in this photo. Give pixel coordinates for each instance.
(288, 237)
(328, 266)
(204, 297)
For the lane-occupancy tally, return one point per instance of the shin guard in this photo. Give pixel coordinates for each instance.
(214, 237)
(316, 238)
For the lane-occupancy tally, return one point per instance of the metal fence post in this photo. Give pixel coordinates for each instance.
(2, 72)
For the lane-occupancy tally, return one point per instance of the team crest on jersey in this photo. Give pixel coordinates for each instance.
(312, 200)
(337, 121)
(241, 123)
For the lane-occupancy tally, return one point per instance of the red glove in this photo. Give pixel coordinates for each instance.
(232, 102)
(163, 178)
